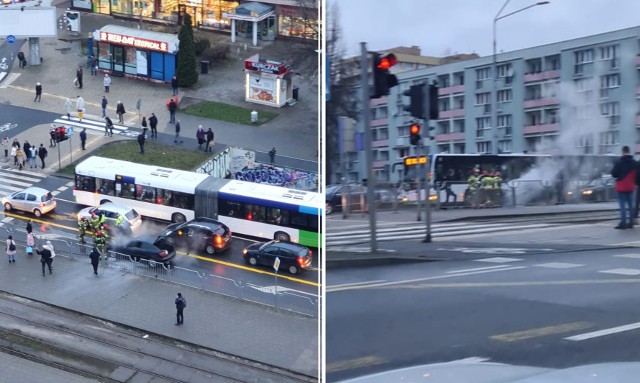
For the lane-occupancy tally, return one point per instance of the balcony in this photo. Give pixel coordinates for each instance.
(378, 101)
(637, 120)
(450, 137)
(637, 90)
(379, 164)
(546, 75)
(539, 102)
(450, 90)
(380, 144)
(638, 60)
(451, 113)
(544, 128)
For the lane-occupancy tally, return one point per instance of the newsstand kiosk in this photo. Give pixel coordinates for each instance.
(267, 82)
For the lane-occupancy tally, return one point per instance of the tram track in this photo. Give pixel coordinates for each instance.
(110, 352)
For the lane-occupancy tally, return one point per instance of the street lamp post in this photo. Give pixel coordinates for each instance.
(494, 74)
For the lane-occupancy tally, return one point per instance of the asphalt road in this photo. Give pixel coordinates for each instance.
(500, 299)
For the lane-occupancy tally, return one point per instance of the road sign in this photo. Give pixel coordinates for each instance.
(11, 39)
(70, 131)
(276, 264)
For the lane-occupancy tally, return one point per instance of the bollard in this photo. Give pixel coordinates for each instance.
(254, 117)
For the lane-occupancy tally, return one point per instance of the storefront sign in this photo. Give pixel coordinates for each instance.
(134, 41)
(267, 67)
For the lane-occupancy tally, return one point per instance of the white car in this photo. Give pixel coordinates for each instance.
(111, 213)
(33, 199)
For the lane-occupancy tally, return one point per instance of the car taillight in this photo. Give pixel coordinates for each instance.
(300, 261)
(310, 253)
(218, 240)
(163, 253)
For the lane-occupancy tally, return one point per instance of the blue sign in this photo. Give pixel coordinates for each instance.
(11, 39)
(70, 131)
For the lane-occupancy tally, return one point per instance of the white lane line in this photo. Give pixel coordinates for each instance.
(633, 256)
(499, 259)
(55, 192)
(10, 189)
(64, 200)
(7, 219)
(355, 284)
(408, 281)
(63, 188)
(23, 172)
(477, 268)
(607, 331)
(558, 265)
(11, 181)
(621, 271)
(69, 184)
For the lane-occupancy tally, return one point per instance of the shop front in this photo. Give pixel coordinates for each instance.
(267, 82)
(136, 53)
(253, 19)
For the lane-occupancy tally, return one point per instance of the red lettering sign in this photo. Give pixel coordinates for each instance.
(267, 67)
(137, 42)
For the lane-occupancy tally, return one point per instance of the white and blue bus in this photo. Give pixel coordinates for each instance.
(251, 209)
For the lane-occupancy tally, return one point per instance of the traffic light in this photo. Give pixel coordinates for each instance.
(382, 78)
(61, 134)
(414, 131)
(433, 102)
(416, 94)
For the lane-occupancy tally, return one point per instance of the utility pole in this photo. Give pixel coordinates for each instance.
(426, 144)
(366, 123)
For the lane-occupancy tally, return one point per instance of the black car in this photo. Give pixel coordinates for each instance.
(599, 190)
(158, 250)
(204, 234)
(355, 197)
(293, 257)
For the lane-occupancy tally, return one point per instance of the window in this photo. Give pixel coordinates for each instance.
(182, 200)
(31, 197)
(483, 74)
(19, 196)
(278, 216)
(608, 52)
(482, 147)
(584, 56)
(610, 108)
(504, 70)
(609, 138)
(610, 81)
(85, 183)
(147, 193)
(228, 208)
(482, 98)
(255, 213)
(106, 187)
(504, 120)
(125, 190)
(504, 95)
(583, 84)
(483, 123)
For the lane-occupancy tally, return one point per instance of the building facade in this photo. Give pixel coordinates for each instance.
(579, 96)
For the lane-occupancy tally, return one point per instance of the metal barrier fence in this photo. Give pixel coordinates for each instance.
(275, 296)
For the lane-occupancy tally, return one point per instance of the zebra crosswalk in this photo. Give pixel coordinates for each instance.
(417, 231)
(13, 180)
(94, 127)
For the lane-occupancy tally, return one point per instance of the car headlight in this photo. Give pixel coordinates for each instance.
(587, 192)
(244, 251)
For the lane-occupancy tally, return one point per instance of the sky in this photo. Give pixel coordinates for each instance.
(445, 27)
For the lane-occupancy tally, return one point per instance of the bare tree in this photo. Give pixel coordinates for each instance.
(304, 51)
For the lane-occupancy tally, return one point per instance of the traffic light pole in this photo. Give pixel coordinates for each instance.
(426, 142)
(366, 123)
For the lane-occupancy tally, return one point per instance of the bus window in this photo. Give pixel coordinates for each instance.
(164, 197)
(182, 200)
(229, 209)
(126, 191)
(106, 187)
(147, 194)
(85, 183)
(299, 220)
(255, 213)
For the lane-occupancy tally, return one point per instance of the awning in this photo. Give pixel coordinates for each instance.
(251, 11)
(138, 38)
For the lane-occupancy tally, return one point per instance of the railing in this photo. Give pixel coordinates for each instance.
(273, 296)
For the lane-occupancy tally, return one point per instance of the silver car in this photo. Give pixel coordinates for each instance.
(33, 199)
(111, 212)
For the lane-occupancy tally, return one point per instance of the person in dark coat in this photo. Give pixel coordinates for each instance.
(26, 149)
(177, 138)
(172, 111)
(120, 112)
(141, 140)
(45, 258)
(105, 102)
(210, 137)
(42, 153)
(625, 171)
(174, 85)
(83, 137)
(79, 76)
(95, 259)
(108, 127)
(38, 92)
(181, 303)
(153, 123)
(29, 227)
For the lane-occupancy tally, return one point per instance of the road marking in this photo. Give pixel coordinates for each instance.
(558, 265)
(352, 364)
(633, 256)
(472, 359)
(466, 285)
(627, 244)
(476, 269)
(542, 331)
(355, 249)
(499, 260)
(608, 331)
(21, 174)
(621, 271)
(63, 188)
(70, 184)
(64, 200)
(55, 192)
(409, 281)
(7, 219)
(355, 284)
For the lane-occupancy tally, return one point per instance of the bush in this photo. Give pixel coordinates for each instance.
(217, 52)
(201, 46)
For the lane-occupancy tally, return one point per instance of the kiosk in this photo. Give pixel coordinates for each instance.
(267, 82)
(135, 53)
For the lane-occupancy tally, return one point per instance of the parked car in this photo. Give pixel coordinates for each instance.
(333, 195)
(599, 190)
(33, 199)
(111, 212)
(158, 250)
(293, 257)
(201, 233)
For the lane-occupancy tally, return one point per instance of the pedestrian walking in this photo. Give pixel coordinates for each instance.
(33, 154)
(67, 108)
(80, 108)
(181, 304)
(106, 82)
(210, 141)
(272, 155)
(120, 111)
(144, 122)
(79, 76)
(20, 157)
(177, 132)
(14, 154)
(22, 59)
(624, 171)
(52, 137)
(105, 102)
(108, 127)
(141, 140)
(172, 111)
(200, 135)
(26, 149)
(93, 63)
(95, 259)
(153, 123)
(83, 138)
(15, 143)
(11, 249)
(38, 92)
(46, 257)
(5, 146)
(174, 85)
(31, 242)
(42, 153)
(29, 227)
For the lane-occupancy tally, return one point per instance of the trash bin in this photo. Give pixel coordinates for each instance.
(204, 66)
(295, 93)
(254, 117)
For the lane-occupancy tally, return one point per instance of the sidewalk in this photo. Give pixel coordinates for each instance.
(212, 321)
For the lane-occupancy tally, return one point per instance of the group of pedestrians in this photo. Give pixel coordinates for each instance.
(46, 251)
(24, 153)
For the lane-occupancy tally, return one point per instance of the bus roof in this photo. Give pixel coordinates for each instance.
(150, 175)
(273, 193)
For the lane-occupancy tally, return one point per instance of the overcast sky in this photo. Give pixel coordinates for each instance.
(443, 27)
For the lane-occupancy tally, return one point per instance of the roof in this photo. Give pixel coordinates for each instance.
(253, 7)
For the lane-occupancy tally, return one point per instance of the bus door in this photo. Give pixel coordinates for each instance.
(125, 186)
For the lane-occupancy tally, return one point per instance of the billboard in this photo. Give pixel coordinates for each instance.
(30, 22)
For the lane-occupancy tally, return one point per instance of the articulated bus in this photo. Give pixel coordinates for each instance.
(251, 209)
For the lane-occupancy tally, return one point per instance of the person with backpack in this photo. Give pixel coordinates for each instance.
(181, 304)
(11, 249)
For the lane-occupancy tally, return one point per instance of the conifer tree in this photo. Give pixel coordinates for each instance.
(187, 69)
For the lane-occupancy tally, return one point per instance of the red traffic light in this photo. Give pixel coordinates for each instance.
(387, 61)
(414, 129)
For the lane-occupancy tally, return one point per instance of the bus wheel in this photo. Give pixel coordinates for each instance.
(177, 217)
(281, 236)
(104, 201)
(7, 206)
